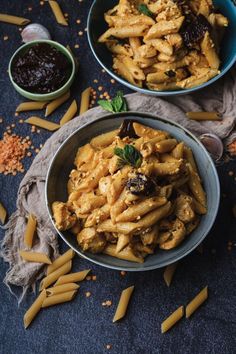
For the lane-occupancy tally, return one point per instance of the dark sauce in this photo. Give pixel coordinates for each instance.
(141, 185)
(127, 129)
(41, 69)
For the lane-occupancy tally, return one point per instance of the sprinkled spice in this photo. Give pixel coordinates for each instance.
(13, 149)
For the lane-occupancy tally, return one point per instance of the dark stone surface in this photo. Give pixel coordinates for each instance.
(85, 326)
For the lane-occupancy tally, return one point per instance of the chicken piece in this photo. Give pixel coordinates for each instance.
(90, 240)
(63, 216)
(88, 202)
(177, 234)
(150, 237)
(184, 208)
(104, 185)
(75, 179)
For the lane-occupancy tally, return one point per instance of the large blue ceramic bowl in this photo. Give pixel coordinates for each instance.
(62, 164)
(97, 25)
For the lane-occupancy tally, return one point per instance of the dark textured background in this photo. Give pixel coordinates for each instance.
(85, 326)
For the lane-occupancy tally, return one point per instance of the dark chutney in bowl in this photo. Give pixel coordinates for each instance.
(41, 69)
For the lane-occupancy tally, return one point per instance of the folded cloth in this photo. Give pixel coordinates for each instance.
(218, 97)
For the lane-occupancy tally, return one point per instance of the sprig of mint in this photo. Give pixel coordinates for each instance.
(128, 156)
(117, 104)
(143, 9)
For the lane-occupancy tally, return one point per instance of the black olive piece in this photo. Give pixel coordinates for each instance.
(195, 30)
(170, 73)
(127, 129)
(141, 185)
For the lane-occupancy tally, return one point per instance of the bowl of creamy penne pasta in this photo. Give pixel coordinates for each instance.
(164, 47)
(133, 192)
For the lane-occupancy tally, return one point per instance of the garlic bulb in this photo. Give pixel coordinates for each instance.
(213, 144)
(33, 32)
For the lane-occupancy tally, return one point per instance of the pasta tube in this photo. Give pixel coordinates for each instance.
(42, 123)
(125, 254)
(172, 319)
(15, 20)
(70, 113)
(123, 303)
(60, 261)
(52, 277)
(59, 298)
(53, 105)
(34, 309)
(169, 273)
(72, 277)
(30, 231)
(3, 213)
(61, 289)
(30, 106)
(196, 302)
(58, 13)
(35, 257)
(84, 103)
(203, 116)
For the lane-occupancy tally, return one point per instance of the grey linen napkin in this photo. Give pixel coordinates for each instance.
(218, 97)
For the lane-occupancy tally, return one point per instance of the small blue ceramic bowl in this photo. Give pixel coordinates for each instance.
(62, 164)
(96, 26)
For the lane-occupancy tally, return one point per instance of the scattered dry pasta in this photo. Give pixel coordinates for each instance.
(132, 190)
(30, 230)
(3, 213)
(35, 257)
(15, 20)
(59, 298)
(123, 303)
(30, 106)
(72, 277)
(53, 105)
(169, 273)
(196, 302)
(164, 45)
(42, 123)
(203, 116)
(34, 309)
(58, 13)
(70, 113)
(172, 319)
(52, 277)
(60, 261)
(85, 97)
(61, 289)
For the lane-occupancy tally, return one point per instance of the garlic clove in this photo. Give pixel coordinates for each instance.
(33, 32)
(213, 144)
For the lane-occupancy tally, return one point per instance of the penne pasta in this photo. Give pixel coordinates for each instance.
(123, 241)
(58, 13)
(72, 277)
(60, 261)
(104, 140)
(35, 257)
(3, 213)
(30, 231)
(203, 116)
(34, 309)
(165, 145)
(196, 302)
(172, 319)
(30, 106)
(123, 304)
(15, 20)
(42, 123)
(53, 105)
(61, 289)
(125, 254)
(70, 113)
(188, 155)
(52, 277)
(59, 298)
(195, 186)
(169, 273)
(85, 98)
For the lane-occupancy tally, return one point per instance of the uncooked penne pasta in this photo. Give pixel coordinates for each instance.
(53, 105)
(57, 12)
(85, 98)
(172, 319)
(34, 309)
(196, 302)
(30, 106)
(64, 258)
(203, 116)
(42, 123)
(30, 230)
(52, 277)
(123, 303)
(54, 290)
(59, 298)
(70, 113)
(169, 273)
(3, 213)
(36, 257)
(72, 277)
(15, 20)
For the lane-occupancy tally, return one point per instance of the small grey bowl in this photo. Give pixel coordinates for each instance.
(62, 164)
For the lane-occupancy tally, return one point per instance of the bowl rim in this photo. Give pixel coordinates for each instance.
(141, 115)
(49, 94)
(144, 90)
